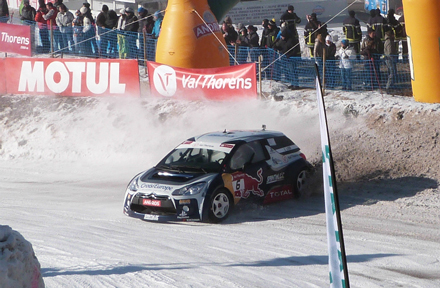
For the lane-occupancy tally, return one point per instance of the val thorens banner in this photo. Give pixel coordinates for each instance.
(212, 83)
(15, 39)
(72, 77)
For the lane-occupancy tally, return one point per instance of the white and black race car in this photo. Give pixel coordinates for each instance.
(205, 176)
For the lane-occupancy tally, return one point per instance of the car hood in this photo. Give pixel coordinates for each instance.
(164, 182)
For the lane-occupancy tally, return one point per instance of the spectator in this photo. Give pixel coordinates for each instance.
(288, 44)
(100, 26)
(330, 65)
(290, 19)
(50, 18)
(370, 65)
(239, 27)
(377, 24)
(142, 30)
(90, 30)
(243, 39)
(88, 33)
(254, 40)
(311, 30)
(346, 54)
(131, 26)
(402, 36)
(27, 13)
(265, 24)
(241, 45)
(77, 25)
(371, 35)
(158, 17)
(111, 37)
(122, 43)
(64, 22)
(88, 14)
(390, 55)
(273, 32)
(229, 33)
(352, 31)
(331, 48)
(320, 48)
(42, 28)
(395, 25)
(4, 11)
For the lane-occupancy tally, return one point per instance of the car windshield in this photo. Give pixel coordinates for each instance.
(193, 159)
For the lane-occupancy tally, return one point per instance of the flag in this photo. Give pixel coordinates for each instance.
(337, 260)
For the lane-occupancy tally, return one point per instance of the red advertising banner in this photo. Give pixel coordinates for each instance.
(15, 39)
(2, 77)
(221, 83)
(73, 77)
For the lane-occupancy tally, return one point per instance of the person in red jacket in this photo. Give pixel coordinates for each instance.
(50, 17)
(42, 27)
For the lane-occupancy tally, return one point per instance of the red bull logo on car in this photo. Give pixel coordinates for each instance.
(243, 184)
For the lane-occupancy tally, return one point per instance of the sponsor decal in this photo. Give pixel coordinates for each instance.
(156, 186)
(15, 39)
(150, 202)
(279, 193)
(184, 201)
(193, 84)
(208, 28)
(244, 184)
(225, 145)
(73, 77)
(275, 178)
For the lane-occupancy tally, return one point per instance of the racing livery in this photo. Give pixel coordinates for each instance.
(204, 177)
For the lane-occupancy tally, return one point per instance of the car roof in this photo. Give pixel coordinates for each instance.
(236, 135)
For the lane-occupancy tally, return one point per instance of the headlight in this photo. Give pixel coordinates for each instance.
(190, 190)
(133, 186)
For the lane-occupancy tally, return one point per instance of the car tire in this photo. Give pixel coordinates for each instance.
(220, 205)
(299, 181)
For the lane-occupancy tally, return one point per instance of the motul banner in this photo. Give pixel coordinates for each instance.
(2, 77)
(214, 83)
(72, 77)
(15, 39)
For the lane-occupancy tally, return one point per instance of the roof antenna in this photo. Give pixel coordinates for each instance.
(225, 131)
(264, 127)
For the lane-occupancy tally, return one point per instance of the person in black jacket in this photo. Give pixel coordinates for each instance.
(131, 26)
(263, 41)
(27, 13)
(272, 35)
(291, 19)
(311, 30)
(352, 30)
(100, 25)
(4, 11)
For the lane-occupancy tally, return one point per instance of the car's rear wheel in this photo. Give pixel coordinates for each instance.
(299, 181)
(220, 205)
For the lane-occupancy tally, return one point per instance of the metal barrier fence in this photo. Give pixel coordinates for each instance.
(297, 72)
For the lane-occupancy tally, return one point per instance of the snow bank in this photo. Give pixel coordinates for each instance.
(19, 267)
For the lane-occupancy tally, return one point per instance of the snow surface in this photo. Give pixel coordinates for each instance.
(65, 164)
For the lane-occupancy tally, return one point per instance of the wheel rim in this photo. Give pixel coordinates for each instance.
(220, 205)
(301, 180)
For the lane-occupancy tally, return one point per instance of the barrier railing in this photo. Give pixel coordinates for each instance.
(296, 72)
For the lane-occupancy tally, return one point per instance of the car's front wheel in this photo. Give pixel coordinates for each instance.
(220, 205)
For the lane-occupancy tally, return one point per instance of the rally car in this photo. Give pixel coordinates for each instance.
(205, 176)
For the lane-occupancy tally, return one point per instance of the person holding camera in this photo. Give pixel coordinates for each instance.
(345, 55)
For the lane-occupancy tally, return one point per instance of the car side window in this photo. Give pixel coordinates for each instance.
(247, 153)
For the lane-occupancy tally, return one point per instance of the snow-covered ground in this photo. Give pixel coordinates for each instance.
(65, 163)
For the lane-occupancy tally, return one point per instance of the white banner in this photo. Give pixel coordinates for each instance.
(336, 264)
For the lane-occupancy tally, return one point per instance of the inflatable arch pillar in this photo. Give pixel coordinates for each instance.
(424, 48)
(186, 42)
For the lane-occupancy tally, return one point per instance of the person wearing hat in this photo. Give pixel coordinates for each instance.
(291, 19)
(158, 17)
(131, 26)
(352, 31)
(311, 30)
(346, 55)
(27, 13)
(273, 33)
(331, 64)
(100, 25)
